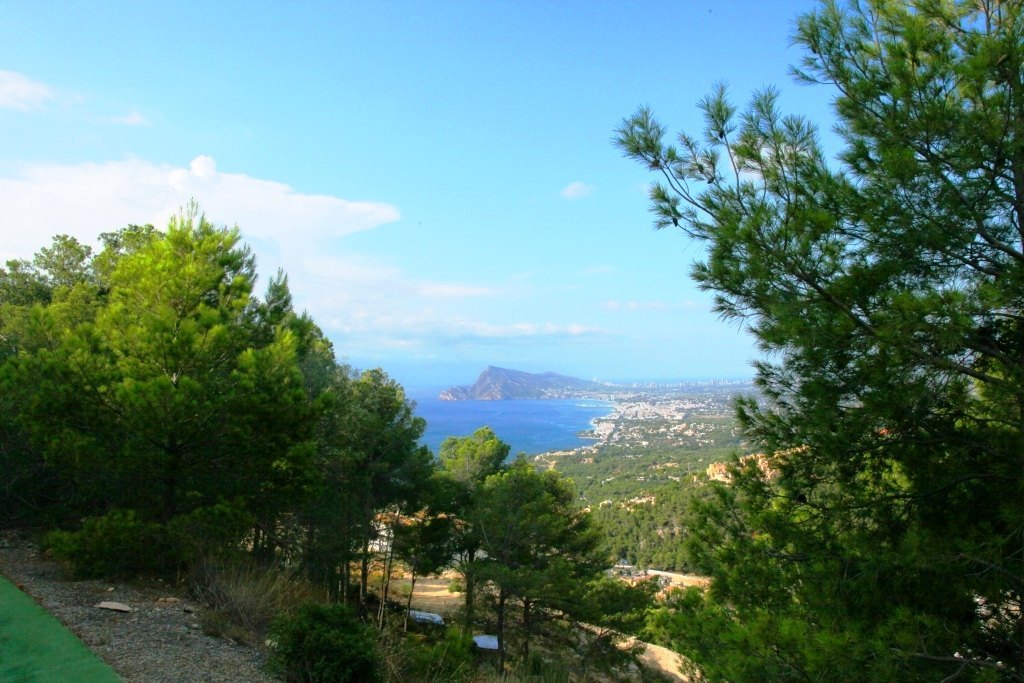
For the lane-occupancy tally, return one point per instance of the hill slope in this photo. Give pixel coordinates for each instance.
(497, 384)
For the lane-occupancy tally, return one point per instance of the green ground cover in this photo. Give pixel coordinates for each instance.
(36, 648)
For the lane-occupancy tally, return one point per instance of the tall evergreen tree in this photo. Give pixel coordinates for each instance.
(39, 299)
(466, 461)
(162, 402)
(538, 548)
(377, 460)
(883, 539)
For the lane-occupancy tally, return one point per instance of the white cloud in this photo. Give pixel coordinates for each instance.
(613, 305)
(133, 118)
(429, 331)
(444, 290)
(599, 270)
(86, 199)
(365, 303)
(368, 304)
(18, 91)
(526, 329)
(576, 190)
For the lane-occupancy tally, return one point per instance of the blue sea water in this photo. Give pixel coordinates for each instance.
(529, 427)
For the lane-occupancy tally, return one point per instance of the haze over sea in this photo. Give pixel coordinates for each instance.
(530, 427)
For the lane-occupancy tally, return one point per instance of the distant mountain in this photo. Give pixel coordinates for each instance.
(498, 384)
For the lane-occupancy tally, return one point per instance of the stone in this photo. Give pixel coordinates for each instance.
(115, 606)
(486, 642)
(426, 617)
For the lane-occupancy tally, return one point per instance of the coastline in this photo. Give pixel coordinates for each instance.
(529, 426)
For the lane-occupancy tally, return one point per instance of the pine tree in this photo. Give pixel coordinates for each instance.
(883, 536)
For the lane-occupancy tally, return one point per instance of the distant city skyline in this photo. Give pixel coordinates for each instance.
(438, 180)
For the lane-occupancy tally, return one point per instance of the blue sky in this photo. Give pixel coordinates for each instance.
(437, 178)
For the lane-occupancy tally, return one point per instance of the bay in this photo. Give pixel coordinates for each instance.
(530, 427)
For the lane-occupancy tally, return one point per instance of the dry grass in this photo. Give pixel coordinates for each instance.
(248, 596)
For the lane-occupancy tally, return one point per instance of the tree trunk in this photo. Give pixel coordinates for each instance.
(501, 631)
(526, 630)
(346, 557)
(385, 581)
(468, 586)
(364, 570)
(408, 602)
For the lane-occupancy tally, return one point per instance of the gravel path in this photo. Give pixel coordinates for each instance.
(159, 641)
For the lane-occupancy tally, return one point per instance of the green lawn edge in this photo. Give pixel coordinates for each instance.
(36, 648)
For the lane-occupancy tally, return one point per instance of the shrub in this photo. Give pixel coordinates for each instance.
(116, 545)
(449, 659)
(324, 644)
(215, 530)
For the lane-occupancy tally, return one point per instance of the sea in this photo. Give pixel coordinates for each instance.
(529, 427)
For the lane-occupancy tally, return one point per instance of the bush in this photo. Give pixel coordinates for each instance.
(215, 530)
(324, 644)
(116, 545)
(450, 659)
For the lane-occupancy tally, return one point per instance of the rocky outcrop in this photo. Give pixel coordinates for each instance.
(497, 384)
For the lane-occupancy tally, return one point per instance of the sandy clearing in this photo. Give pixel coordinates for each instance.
(683, 580)
(432, 595)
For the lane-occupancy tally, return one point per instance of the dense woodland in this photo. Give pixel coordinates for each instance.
(150, 398)
(640, 498)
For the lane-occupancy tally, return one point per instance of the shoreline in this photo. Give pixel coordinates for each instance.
(529, 426)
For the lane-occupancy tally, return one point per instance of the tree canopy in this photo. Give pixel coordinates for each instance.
(538, 547)
(883, 537)
(149, 398)
(148, 390)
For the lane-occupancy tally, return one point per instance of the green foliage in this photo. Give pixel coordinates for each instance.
(619, 605)
(624, 472)
(538, 545)
(650, 529)
(639, 495)
(109, 547)
(470, 459)
(369, 460)
(143, 384)
(212, 531)
(450, 658)
(31, 491)
(324, 644)
(39, 300)
(465, 462)
(148, 390)
(883, 535)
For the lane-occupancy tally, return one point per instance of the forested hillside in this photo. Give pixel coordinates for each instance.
(641, 497)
